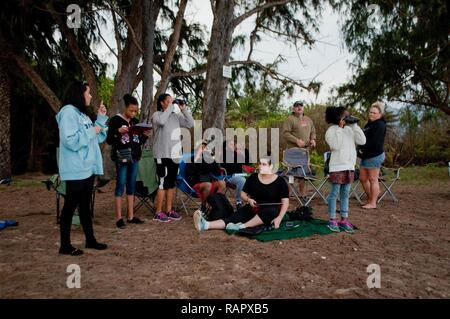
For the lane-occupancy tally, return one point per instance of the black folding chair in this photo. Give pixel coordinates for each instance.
(387, 178)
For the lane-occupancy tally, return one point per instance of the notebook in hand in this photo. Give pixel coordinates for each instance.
(140, 128)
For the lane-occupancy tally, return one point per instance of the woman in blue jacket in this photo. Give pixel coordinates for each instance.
(80, 160)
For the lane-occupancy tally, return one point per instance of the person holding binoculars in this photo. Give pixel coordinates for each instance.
(341, 137)
(167, 152)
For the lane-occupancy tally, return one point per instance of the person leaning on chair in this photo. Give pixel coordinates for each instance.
(120, 137)
(299, 131)
(167, 152)
(372, 154)
(80, 160)
(202, 173)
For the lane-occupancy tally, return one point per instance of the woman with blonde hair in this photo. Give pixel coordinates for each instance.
(372, 154)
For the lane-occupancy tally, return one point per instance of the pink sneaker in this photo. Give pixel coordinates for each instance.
(173, 215)
(161, 217)
(346, 226)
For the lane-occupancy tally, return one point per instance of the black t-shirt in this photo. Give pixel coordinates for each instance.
(121, 141)
(262, 193)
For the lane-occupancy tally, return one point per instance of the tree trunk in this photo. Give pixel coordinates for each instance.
(131, 55)
(130, 59)
(151, 11)
(85, 65)
(219, 50)
(5, 120)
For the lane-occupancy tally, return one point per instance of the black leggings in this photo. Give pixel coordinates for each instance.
(245, 213)
(78, 194)
(167, 171)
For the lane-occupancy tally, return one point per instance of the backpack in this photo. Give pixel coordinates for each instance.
(301, 213)
(220, 207)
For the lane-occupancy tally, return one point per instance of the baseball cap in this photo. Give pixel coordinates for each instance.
(299, 103)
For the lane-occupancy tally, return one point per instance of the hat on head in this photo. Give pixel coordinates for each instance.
(299, 103)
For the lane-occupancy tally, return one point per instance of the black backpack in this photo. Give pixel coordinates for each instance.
(220, 207)
(301, 213)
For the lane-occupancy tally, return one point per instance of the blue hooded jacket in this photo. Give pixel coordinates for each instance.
(79, 152)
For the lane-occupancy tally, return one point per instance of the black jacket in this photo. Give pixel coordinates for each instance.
(375, 132)
(121, 141)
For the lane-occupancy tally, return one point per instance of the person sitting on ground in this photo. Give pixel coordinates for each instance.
(267, 198)
(202, 174)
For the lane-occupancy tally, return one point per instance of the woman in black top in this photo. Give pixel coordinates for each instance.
(124, 139)
(267, 197)
(372, 154)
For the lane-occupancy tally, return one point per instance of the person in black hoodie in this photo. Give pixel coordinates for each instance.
(123, 140)
(372, 154)
(203, 174)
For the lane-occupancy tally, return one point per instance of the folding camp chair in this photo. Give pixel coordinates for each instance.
(189, 194)
(55, 183)
(387, 178)
(296, 161)
(146, 182)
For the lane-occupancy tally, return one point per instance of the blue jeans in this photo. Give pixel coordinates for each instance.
(239, 182)
(126, 175)
(344, 190)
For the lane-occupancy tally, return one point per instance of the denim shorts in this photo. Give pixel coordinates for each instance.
(373, 162)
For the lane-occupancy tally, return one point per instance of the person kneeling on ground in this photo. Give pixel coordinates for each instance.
(203, 173)
(264, 193)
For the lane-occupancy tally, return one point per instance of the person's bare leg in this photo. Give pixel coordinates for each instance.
(364, 179)
(216, 224)
(302, 187)
(255, 221)
(159, 199)
(205, 190)
(130, 207)
(374, 188)
(222, 187)
(169, 199)
(118, 207)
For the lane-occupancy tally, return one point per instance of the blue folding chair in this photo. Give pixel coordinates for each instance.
(188, 194)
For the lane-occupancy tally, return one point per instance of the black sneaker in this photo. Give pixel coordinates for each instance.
(70, 251)
(135, 220)
(120, 224)
(239, 205)
(96, 245)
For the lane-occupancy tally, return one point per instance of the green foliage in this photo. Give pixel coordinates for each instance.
(105, 89)
(406, 58)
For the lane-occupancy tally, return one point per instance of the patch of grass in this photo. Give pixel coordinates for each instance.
(420, 175)
(23, 183)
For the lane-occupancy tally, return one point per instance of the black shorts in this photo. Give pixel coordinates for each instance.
(167, 171)
(245, 213)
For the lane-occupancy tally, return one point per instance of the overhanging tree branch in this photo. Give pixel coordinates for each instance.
(272, 73)
(257, 9)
